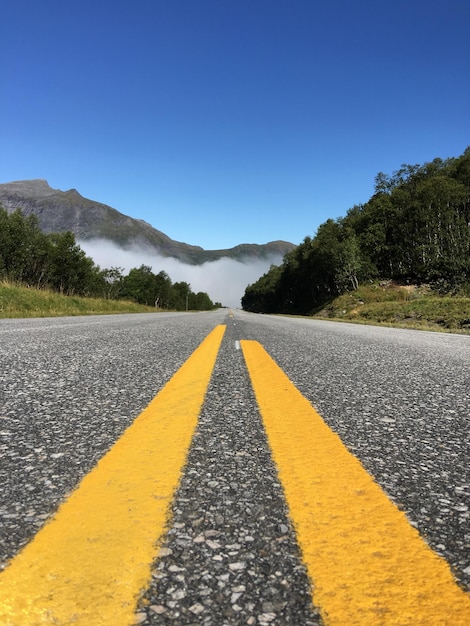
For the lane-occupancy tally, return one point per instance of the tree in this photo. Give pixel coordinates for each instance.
(70, 271)
(262, 296)
(113, 279)
(163, 289)
(23, 247)
(200, 302)
(140, 285)
(349, 265)
(180, 296)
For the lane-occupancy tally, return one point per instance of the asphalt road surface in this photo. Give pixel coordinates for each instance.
(398, 399)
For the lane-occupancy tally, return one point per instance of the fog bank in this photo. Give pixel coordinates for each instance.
(225, 280)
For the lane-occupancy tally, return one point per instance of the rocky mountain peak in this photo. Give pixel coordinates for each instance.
(38, 187)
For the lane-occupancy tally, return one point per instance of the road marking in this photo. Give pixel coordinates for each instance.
(237, 345)
(367, 563)
(89, 563)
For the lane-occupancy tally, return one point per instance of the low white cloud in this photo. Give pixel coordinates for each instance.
(225, 280)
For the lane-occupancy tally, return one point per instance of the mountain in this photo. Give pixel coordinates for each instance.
(60, 211)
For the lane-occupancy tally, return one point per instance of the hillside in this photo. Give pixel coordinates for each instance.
(414, 230)
(61, 211)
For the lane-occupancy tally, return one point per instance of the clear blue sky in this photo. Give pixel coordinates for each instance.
(230, 121)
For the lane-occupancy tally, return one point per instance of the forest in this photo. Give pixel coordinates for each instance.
(55, 261)
(415, 229)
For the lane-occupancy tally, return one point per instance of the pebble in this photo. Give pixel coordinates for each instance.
(266, 618)
(165, 552)
(237, 566)
(196, 608)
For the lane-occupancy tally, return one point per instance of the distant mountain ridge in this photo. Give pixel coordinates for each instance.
(60, 211)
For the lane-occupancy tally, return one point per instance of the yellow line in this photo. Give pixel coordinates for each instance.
(368, 565)
(89, 563)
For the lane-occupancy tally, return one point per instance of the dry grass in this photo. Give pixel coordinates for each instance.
(19, 301)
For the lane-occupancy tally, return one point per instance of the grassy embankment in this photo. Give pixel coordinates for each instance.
(19, 301)
(402, 306)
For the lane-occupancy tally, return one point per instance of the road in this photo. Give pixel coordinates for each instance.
(398, 399)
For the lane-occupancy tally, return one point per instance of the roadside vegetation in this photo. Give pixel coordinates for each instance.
(413, 233)
(386, 303)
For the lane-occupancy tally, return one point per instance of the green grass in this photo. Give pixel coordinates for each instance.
(19, 301)
(406, 307)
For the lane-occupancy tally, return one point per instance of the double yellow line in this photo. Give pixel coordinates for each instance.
(366, 563)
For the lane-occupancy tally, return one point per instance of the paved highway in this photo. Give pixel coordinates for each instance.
(245, 509)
